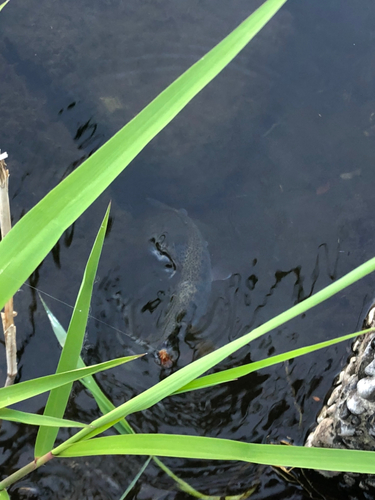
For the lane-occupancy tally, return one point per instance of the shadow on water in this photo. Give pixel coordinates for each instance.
(273, 163)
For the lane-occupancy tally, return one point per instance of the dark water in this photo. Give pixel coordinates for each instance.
(274, 163)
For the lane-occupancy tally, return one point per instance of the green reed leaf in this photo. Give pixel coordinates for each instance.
(33, 419)
(70, 354)
(198, 447)
(26, 390)
(240, 371)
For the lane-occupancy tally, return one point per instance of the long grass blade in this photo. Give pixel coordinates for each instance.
(105, 405)
(37, 232)
(70, 354)
(240, 371)
(134, 482)
(33, 419)
(3, 5)
(197, 447)
(177, 380)
(26, 390)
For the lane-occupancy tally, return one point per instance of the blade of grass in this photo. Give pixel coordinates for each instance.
(37, 232)
(33, 419)
(3, 5)
(134, 482)
(70, 354)
(105, 405)
(240, 371)
(26, 390)
(198, 447)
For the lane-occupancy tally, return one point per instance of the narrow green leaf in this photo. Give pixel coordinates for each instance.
(3, 493)
(240, 371)
(134, 482)
(26, 390)
(122, 426)
(3, 5)
(197, 447)
(25, 247)
(102, 401)
(33, 419)
(70, 354)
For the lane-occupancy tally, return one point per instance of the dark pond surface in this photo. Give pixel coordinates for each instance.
(274, 162)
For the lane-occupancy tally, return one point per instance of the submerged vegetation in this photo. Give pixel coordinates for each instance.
(37, 232)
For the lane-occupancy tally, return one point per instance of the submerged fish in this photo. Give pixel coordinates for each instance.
(190, 261)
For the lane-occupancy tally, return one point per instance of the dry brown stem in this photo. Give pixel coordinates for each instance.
(7, 316)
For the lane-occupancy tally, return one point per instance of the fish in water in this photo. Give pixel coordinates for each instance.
(190, 261)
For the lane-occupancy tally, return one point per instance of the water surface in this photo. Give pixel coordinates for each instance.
(274, 163)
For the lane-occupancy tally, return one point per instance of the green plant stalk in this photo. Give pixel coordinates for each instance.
(134, 482)
(186, 488)
(24, 471)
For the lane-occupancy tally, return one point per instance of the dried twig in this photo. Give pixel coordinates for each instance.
(7, 316)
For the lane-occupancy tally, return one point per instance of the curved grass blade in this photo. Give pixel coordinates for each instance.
(30, 240)
(26, 390)
(3, 5)
(70, 354)
(33, 419)
(197, 447)
(240, 371)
